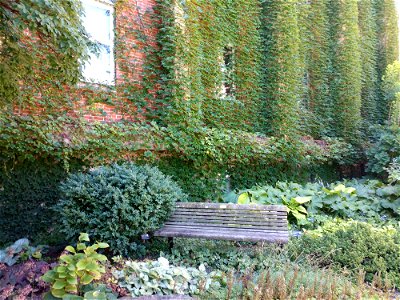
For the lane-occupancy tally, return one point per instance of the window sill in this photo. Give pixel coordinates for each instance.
(105, 87)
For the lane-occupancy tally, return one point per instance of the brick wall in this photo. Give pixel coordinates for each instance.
(130, 16)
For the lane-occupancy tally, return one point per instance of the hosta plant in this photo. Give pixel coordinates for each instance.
(20, 250)
(295, 205)
(80, 267)
(160, 278)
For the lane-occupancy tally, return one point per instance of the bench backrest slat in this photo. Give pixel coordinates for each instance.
(229, 216)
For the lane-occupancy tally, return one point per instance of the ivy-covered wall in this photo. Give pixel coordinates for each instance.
(212, 88)
(214, 66)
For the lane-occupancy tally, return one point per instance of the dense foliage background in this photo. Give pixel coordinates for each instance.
(231, 93)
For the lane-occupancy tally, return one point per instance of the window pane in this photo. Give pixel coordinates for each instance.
(100, 69)
(98, 21)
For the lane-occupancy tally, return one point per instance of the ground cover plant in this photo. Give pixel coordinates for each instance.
(354, 246)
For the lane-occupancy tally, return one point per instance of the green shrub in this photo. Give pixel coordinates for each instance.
(28, 191)
(354, 246)
(384, 150)
(117, 204)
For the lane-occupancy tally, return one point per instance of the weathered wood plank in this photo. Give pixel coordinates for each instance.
(228, 222)
(226, 229)
(200, 222)
(231, 206)
(228, 218)
(221, 235)
(230, 212)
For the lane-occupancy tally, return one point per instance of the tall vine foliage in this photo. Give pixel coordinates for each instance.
(388, 46)
(281, 66)
(346, 68)
(213, 66)
(316, 63)
(369, 55)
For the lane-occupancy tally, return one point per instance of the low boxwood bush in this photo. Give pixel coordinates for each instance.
(354, 245)
(117, 204)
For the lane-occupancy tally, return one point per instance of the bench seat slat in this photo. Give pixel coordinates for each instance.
(231, 213)
(227, 218)
(227, 222)
(235, 235)
(227, 227)
(190, 227)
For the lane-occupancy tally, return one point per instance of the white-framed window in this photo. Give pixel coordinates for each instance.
(98, 20)
(228, 87)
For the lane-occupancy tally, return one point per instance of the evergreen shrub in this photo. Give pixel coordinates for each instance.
(117, 204)
(355, 246)
(28, 191)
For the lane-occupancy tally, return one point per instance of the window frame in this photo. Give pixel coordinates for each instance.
(107, 5)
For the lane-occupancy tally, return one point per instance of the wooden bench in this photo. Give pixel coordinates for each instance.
(215, 221)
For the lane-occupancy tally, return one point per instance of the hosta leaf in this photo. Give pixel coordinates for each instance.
(103, 245)
(59, 284)
(81, 264)
(72, 280)
(244, 198)
(86, 279)
(58, 293)
(302, 200)
(302, 210)
(70, 249)
(66, 258)
(71, 288)
(84, 237)
(49, 276)
(72, 297)
(81, 246)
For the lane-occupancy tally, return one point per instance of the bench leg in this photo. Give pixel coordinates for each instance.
(170, 242)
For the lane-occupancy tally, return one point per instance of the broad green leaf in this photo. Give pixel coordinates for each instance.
(103, 245)
(58, 293)
(81, 246)
(66, 258)
(84, 237)
(81, 264)
(244, 198)
(72, 297)
(86, 279)
(49, 276)
(59, 284)
(49, 296)
(302, 200)
(302, 210)
(70, 249)
(72, 280)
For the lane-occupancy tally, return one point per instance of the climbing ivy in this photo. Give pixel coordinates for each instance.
(36, 35)
(314, 25)
(388, 46)
(281, 66)
(369, 56)
(211, 53)
(346, 68)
